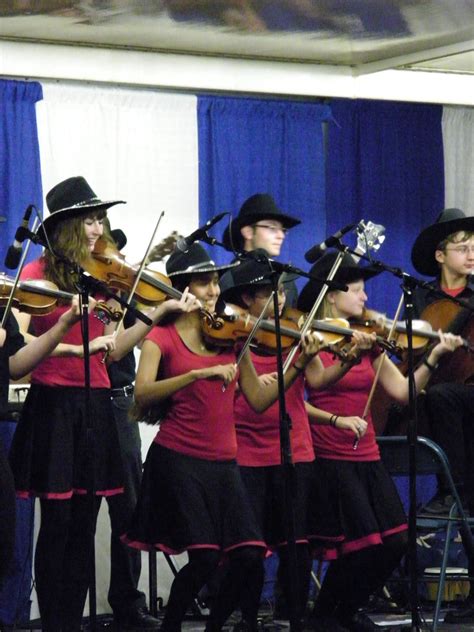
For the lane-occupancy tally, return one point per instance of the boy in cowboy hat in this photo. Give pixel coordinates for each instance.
(261, 224)
(445, 250)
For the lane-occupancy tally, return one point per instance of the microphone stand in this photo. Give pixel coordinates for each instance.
(409, 283)
(287, 465)
(87, 285)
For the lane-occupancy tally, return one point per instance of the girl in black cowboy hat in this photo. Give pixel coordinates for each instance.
(259, 451)
(49, 457)
(445, 250)
(192, 496)
(355, 514)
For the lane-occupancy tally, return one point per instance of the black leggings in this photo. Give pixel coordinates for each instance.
(192, 577)
(251, 595)
(62, 562)
(353, 578)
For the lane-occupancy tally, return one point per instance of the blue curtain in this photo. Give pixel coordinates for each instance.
(385, 164)
(20, 172)
(20, 185)
(249, 146)
(15, 594)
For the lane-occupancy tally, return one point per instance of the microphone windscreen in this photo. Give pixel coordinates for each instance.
(313, 254)
(12, 258)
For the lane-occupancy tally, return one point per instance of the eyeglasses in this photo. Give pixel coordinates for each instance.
(462, 250)
(273, 229)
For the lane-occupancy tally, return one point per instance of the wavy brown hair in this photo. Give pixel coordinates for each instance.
(68, 239)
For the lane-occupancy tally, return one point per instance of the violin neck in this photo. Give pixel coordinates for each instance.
(169, 290)
(320, 325)
(267, 325)
(44, 291)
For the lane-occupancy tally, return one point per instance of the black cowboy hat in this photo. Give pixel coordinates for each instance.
(348, 272)
(250, 273)
(195, 260)
(70, 198)
(449, 221)
(257, 207)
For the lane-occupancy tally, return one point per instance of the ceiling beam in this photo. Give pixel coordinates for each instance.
(194, 74)
(407, 59)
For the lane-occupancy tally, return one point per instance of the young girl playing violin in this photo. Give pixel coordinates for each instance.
(192, 497)
(50, 455)
(259, 449)
(355, 513)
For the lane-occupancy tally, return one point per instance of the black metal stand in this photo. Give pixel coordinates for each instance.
(412, 434)
(289, 472)
(84, 289)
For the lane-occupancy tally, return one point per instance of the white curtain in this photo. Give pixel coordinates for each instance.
(458, 142)
(134, 145)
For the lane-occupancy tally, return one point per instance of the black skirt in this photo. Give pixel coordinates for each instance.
(50, 455)
(353, 505)
(189, 503)
(266, 491)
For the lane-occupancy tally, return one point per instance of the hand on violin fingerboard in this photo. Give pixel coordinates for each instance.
(311, 343)
(267, 378)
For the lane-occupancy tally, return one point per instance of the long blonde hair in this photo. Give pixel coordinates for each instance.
(68, 239)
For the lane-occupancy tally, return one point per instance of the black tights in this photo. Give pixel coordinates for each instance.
(63, 553)
(252, 592)
(353, 578)
(186, 585)
(242, 564)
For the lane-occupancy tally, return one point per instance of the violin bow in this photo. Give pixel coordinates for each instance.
(8, 306)
(310, 317)
(379, 368)
(119, 323)
(252, 333)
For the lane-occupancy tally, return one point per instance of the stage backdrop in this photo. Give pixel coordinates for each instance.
(385, 164)
(195, 157)
(248, 146)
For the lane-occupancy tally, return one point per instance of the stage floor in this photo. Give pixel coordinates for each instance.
(391, 623)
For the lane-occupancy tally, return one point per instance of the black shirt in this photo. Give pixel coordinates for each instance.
(423, 297)
(13, 342)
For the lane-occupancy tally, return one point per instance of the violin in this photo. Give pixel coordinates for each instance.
(236, 324)
(423, 332)
(40, 297)
(448, 316)
(342, 328)
(109, 266)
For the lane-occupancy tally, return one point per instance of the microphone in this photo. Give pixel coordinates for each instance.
(13, 256)
(184, 243)
(314, 253)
